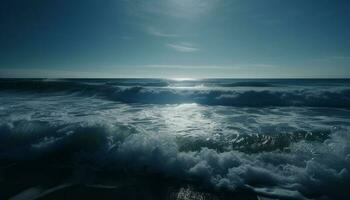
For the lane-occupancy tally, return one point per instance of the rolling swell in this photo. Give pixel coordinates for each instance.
(157, 93)
(247, 84)
(248, 98)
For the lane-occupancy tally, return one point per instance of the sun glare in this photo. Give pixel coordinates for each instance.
(183, 79)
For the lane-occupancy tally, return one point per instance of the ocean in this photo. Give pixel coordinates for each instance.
(174, 139)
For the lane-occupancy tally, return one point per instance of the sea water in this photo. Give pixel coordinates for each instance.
(171, 139)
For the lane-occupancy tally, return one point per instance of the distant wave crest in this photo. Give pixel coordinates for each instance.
(251, 98)
(338, 98)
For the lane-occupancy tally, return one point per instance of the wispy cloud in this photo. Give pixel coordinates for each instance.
(215, 67)
(190, 66)
(187, 9)
(184, 47)
(158, 33)
(261, 65)
(333, 59)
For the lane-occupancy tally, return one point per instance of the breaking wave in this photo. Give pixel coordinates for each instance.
(316, 168)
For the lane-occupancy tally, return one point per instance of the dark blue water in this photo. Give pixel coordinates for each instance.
(189, 139)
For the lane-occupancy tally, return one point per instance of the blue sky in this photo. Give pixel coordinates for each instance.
(175, 38)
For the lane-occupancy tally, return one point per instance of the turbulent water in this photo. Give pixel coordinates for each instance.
(168, 139)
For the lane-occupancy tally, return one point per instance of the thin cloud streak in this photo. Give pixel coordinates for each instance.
(333, 59)
(155, 32)
(190, 66)
(219, 67)
(182, 9)
(183, 47)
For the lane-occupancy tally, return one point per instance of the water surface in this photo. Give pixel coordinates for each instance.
(168, 139)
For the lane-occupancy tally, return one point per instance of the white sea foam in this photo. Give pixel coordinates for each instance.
(307, 169)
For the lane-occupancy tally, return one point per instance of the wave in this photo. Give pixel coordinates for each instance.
(337, 98)
(309, 169)
(253, 143)
(251, 98)
(71, 84)
(247, 84)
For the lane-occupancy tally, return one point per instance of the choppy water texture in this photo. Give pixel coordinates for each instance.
(167, 139)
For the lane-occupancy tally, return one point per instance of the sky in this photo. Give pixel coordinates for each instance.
(175, 38)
